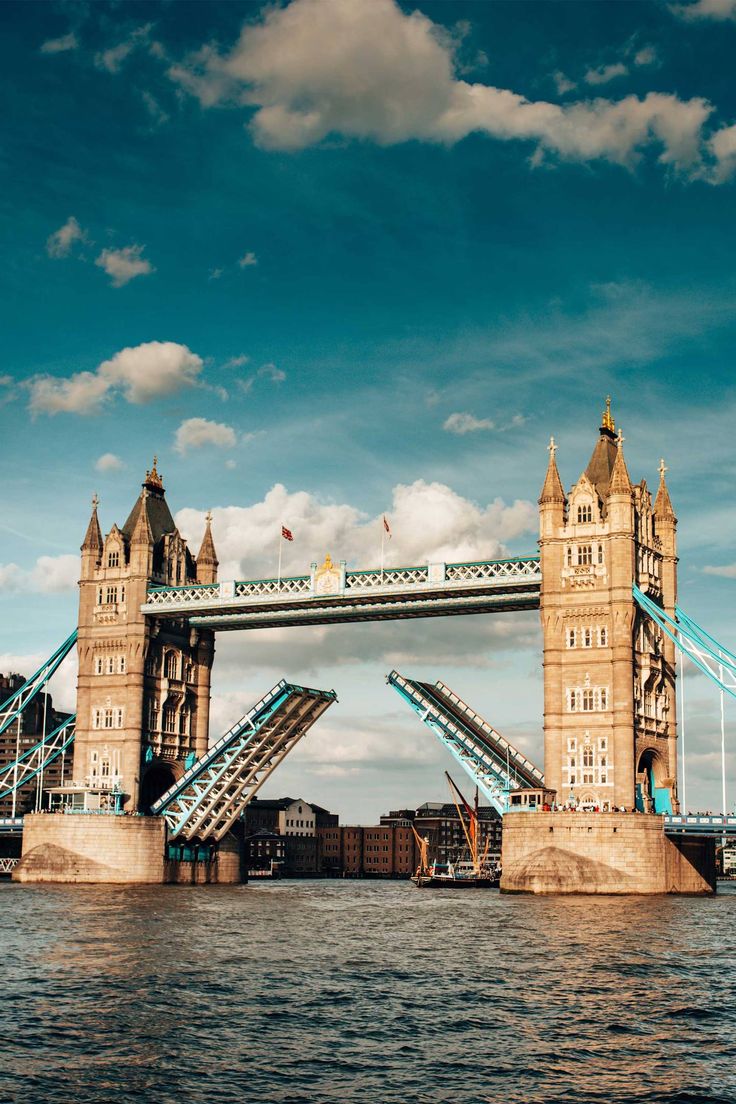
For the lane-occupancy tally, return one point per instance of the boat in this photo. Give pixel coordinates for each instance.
(474, 872)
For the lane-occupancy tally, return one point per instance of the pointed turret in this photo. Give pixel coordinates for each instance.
(552, 490)
(92, 545)
(207, 562)
(663, 503)
(620, 481)
(600, 465)
(152, 501)
(93, 537)
(141, 539)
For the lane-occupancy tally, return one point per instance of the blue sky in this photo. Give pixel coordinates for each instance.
(330, 260)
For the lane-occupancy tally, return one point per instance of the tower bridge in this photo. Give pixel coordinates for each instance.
(604, 582)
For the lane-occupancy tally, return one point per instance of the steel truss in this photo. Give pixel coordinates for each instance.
(205, 803)
(35, 761)
(11, 709)
(712, 658)
(488, 759)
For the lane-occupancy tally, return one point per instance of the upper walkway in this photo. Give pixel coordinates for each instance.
(331, 594)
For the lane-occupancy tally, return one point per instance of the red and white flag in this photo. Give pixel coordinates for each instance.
(286, 533)
(386, 527)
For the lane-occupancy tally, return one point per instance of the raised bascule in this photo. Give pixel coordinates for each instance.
(605, 583)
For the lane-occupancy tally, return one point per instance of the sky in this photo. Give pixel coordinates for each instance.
(333, 260)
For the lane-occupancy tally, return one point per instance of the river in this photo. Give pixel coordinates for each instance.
(357, 992)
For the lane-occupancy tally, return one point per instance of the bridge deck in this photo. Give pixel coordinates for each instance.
(208, 799)
(490, 761)
(330, 596)
(710, 825)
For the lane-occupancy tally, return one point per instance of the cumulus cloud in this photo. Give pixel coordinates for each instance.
(718, 10)
(140, 373)
(123, 265)
(371, 71)
(108, 462)
(563, 84)
(723, 145)
(429, 521)
(466, 423)
(248, 260)
(602, 74)
(60, 45)
(50, 575)
(195, 433)
(646, 55)
(727, 571)
(60, 243)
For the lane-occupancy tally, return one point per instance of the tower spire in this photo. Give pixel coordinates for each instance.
(93, 537)
(207, 562)
(663, 502)
(620, 480)
(607, 423)
(552, 490)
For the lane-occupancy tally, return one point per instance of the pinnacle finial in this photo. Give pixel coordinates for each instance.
(620, 439)
(662, 468)
(208, 517)
(552, 447)
(96, 499)
(607, 422)
(153, 478)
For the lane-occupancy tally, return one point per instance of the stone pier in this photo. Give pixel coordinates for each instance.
(606, 853)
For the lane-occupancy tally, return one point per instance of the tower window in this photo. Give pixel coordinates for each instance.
(569, 556)
(585, 513)
(585, 554)
(600, 553)
(571, 637)
(587, 638)
(113, 559)
(172, 665)
(602, 636)
(111, 595)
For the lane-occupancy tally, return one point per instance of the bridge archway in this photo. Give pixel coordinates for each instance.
(653, 793)
(157, 779)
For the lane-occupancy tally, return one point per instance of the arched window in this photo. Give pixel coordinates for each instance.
(585, 513)
(113, 559)
(172, 665)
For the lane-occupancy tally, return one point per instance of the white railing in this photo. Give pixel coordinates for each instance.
(347, 584)
(7, 866)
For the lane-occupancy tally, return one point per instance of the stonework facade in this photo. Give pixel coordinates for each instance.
(609, 672)
(143, 688)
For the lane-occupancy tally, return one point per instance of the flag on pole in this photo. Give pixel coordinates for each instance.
(386, 527)
(286, 533)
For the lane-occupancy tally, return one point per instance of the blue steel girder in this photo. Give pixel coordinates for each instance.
(11, 709)
(706, 653)
(35, 760)
(212, 794)
(489, 760)
(697, 825)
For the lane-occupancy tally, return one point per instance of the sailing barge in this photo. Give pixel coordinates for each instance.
(476, 872)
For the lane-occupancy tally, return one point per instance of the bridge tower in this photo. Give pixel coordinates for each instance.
(609, 676)
(143, 690)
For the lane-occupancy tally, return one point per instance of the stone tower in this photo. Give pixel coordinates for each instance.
(143, 689)
(609, 675)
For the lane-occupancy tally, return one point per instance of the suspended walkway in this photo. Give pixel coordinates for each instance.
(34, 762)
(207, 800)
(488, 759)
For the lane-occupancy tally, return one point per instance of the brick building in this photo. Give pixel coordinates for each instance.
(22, 735)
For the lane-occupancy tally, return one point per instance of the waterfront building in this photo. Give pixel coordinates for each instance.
(439, 823)
(38, 717)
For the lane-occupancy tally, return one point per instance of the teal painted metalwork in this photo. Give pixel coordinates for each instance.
(11, 709)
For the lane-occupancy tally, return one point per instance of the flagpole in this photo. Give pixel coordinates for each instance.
(280, 543)
(383, 537)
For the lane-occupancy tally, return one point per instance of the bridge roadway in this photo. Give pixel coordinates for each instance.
(331, 594)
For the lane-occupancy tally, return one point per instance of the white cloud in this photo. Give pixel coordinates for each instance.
(108, 462)
(63, 684)
(370, 71)
(727, 571)
(113, 58)
(723, 145)
(717, 10)
(140, 373)
(466, 423)
(215, 273)
(647, 55)
(123, 265)
(60, 45)
(50, 575)
(195, 433)
(248, 260)
(429, 522)
(59, 244)
(157, 113)
(236, 361)
(602, 74)
(272, 373)
(563, 84)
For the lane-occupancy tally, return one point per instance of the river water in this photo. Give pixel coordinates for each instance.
(363, 993)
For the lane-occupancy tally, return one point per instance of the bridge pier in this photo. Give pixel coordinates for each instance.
(109, 849)
(602, 853)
